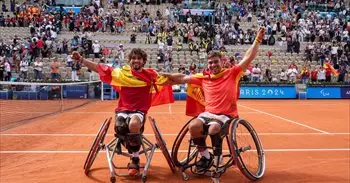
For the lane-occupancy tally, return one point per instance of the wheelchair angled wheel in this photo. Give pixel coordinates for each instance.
(161, 143)
(97, 145)
(180, 158)
(247, 148)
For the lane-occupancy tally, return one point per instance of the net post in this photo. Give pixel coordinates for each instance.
(102, 93)
(61, 90)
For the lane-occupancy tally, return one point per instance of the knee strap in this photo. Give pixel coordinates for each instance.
(133, 142)
(121, 127)
(205, 129)
(216, 141)
(199, 142)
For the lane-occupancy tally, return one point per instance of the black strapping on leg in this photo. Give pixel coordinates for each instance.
(216, 141)
(122, 127)
(200, 142)
(133, 142)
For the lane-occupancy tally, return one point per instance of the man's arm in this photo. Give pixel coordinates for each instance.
(89, 64)
(252, 51)
(176, 78)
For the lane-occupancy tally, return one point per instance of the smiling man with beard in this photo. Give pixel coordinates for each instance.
(212, 97)
(139, 89)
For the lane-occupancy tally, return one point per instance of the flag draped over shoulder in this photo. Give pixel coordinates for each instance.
(195, 101)
(329, 66)
(126, 77)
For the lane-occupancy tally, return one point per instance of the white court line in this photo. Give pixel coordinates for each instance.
(158, 151)
(87, 112)
(165, 134)
(287, 104)
(291, 121)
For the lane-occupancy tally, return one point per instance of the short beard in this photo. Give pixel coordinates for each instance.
(138, 68)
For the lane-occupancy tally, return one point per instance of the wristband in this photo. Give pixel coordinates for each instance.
(257, 40)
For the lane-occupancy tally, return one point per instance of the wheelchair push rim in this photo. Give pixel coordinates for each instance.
(96, 145)
(177, 143)
(239, 152)
(161, 144)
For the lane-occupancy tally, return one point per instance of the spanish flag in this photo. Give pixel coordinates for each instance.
(327, 65)
(195, 100)
(125, 76)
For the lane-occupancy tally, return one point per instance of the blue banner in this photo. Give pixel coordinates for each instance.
(323, 92)
(345, 92)
(268, 92)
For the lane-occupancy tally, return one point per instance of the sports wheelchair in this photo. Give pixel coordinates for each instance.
(116, 146)
(244, 150)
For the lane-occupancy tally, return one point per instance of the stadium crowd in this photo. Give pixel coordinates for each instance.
(316, 31)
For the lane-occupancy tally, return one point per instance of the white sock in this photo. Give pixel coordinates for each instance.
(135, 154)
(205, 153)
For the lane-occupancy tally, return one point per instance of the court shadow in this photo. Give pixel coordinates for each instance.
(95, 171)
(154, 174)
(280, 176)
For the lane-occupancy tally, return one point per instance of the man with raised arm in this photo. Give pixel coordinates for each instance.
(139, 89)
(212, 97)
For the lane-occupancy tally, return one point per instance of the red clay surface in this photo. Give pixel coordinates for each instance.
(304, 141)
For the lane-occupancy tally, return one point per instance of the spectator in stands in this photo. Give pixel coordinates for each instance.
(169, 42)
(313, 75)
(292, 73)
(148, 39)
(24, 68)
(305, 74)
(247, 76)
(75, 71)
(290, 46)
(321, 74)
(268, 73)
(2, 69)
(133, 38)
(269, 54)
(121, 53)
(342, 71)
(55, 69)
(293, 65)
(193, 68)
(256, 73)
(38, 67)
(283, 76)
(8, 70)
(4, 9)
(182, 69)
(296, 46)
(328, 74)
(96, 49)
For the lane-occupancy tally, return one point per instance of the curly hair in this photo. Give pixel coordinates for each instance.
(137, 53)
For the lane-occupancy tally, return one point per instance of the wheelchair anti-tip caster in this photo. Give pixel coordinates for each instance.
(144, 179)
(185, 176)
(113, 179)
(215, 180)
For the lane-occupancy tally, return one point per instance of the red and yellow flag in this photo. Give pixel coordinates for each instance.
(119, 77)
(327, 65)
(195, 101)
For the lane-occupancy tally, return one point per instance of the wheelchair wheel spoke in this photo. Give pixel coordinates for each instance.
(96, 146)
(249, 156)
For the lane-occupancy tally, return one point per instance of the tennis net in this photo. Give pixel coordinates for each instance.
(21, 102)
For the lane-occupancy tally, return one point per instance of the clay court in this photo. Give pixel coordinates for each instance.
(304, 141)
